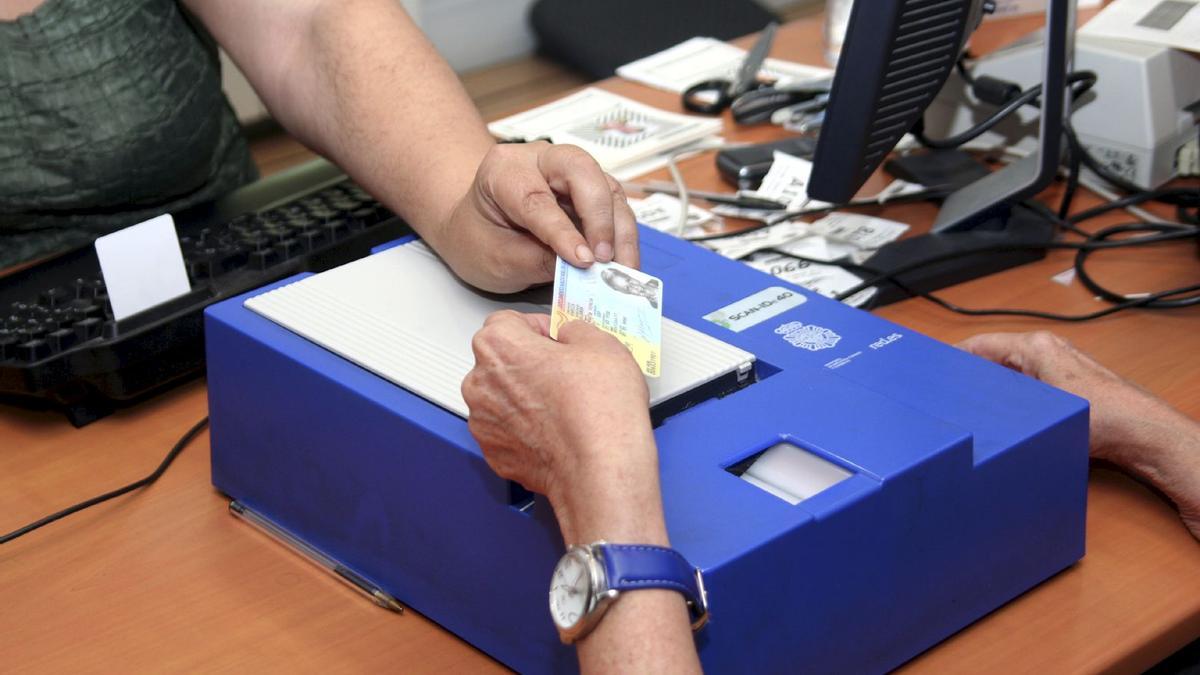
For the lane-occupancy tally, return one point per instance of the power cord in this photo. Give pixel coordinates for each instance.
(155, 475)
(1167, 299)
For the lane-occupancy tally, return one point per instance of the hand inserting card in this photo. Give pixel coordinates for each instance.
(621, 301)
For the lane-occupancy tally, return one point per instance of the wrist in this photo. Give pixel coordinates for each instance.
(1162, 449)
(612, 495)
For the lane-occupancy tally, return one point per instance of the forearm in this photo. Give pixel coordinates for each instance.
(644, 631)
(358, 82)
(383, 104)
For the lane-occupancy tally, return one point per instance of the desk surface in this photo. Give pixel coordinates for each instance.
(166, 580)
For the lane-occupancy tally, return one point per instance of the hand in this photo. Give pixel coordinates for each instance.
(530, 202)
(1130, 427)
(569, 420)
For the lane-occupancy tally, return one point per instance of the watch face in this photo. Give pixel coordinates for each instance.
(570, 589)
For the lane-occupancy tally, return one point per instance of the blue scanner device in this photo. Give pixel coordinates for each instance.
(932, 486)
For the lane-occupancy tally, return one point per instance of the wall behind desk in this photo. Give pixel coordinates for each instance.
(471, 34)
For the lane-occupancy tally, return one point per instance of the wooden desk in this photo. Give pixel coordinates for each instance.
(166, 581)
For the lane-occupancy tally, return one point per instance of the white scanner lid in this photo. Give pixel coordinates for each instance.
(404, 316)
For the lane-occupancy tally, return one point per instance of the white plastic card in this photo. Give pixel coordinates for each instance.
(142, 266)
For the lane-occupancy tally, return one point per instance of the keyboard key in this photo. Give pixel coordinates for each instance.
(87, 329)
(63, 316)
(200, 267)
(61, 339)
(8, 347)
(312, 240)
(335, 230)
(32, 330)
(261, 260)
(33, 350)
(55, 297)
(365, 215)
(87, 289)
(230, 258)
(288, 248)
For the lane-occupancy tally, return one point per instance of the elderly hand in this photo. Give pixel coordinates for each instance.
(1130, 427)
(530, 202)
(568, 419)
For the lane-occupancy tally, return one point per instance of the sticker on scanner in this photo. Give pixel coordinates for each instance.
(619, 300)
(757, 308)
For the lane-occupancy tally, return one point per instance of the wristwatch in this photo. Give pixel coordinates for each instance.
(590, 578)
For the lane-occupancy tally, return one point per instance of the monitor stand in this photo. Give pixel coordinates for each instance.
(988, 212)
(976, 203)
(1016, 235)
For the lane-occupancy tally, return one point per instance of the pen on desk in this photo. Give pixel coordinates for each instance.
(713, 197)
(345, 574)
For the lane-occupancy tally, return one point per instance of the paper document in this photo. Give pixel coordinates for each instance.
(661, 212)
(787, 182)
(142, 266)
(1006, 8)
(617, 131)
(1171, 23)
(828, 280)
(704, 58)
(741, 245)
(862, 231)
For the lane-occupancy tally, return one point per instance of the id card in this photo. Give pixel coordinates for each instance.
(619, 300)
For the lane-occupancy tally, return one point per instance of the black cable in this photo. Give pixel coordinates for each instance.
(1080, 82)
(157, 473)
(963, 71)
(1109, 232)
(1182, 233)
(1074, 162)
(1180, 196)
(1159, 300)
(1026, 97)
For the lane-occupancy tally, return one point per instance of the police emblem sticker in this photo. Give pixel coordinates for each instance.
(808, 336)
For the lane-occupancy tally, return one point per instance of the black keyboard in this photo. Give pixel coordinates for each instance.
(60, 346)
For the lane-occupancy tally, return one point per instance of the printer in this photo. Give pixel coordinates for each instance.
(853, 491)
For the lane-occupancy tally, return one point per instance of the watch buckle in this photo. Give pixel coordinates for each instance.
(700, 614)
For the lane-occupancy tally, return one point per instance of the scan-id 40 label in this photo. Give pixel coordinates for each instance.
(751, 311)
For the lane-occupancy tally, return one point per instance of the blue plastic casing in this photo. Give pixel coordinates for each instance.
(968, 484)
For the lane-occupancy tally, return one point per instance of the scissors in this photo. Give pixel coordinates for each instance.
(711, 97)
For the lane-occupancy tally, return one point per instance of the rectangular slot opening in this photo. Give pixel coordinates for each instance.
(519, 498)
(789, 472)
(720, 387)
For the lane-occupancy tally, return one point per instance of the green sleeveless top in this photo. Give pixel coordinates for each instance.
(111, 112)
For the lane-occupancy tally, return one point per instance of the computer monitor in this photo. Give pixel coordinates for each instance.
(895, 59)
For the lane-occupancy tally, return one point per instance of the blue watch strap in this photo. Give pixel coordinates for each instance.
(636, 566)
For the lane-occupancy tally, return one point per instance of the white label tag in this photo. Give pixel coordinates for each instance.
(753, 310)
(862, 231)
(787, 182)
(142, 266)
(661, 212)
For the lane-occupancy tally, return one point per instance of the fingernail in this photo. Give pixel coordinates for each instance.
(584, 254)
(604, 251)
